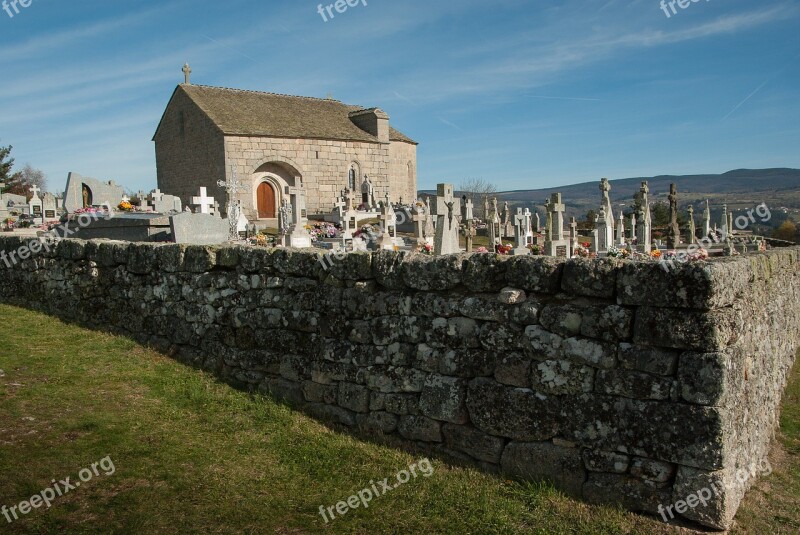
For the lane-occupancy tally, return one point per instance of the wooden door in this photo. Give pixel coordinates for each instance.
(266, 201)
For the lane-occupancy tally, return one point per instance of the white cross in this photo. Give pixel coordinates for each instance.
(203, 201)
(125, 198)
(156, 195)
(35, 191)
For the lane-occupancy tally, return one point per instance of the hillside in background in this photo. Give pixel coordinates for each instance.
(741, 189)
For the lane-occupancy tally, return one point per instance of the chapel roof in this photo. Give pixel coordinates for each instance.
(254, 113)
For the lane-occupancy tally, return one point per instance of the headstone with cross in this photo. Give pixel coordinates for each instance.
(605, 232)
(448, 211)
(621, 230)
(125, 198)
(691, 234)
(573, 235)
(204, 203)
(632, 235)
(706, 220)
(529, 232)
(724, 228)
(557, 245)
(643, 235)
(420, 218)
(299, 236)
(35, 206)
(520, 247)
(468, 219)
(430, 226)
(386, 241)
(494, 225)
(605, 188)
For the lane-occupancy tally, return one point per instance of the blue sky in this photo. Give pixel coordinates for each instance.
(524, 94)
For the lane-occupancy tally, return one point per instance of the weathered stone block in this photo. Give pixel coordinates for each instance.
(526, 313)
(611, 323)
(556, 377)
(564, 320)
(142, 257)
(606, 461)
(686, 329)
(542, 344)
(317, 393)
(631, 384)
(331, 414)
(198, 259)
(444, 398)
(586, 351)
(656, 472)
(516, 413)
(538, 274)
(648, 359)
(473, 442)
(420, 428)
(353, 397)
(453, 332)
(501, 337)
(482, 308)
(283, 390)
(423, 272)
(386, 269)
(377, 422)
(626, 491)
(394, 379)
(512, 296)
(591, 277)
(485, 272)
(401, 404)
(467, 362)
(706, 378)
(563, 467)
(513, 369)
(353, 266)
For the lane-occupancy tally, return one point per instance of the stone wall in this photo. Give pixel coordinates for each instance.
(617, 381)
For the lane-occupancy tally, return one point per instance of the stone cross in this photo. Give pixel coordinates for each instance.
(643, 242)
(557, 208)
(691, 238)
(706, 220)
(448, 209)
(389, 226)
(573, 232)
(468, 218)
(430, 228)
(419, 219)
(538, 223)
(125, 198)
(633, 228)
(156, 195)
(520, 247)
(674, 232)
(35, 191)
(731, 228)
(339, 207)
(299, 236)
(724, 218)
(205, 202)
(621, 229)
(187, 71)
(549, 225)
(604, 232)
(605, 188)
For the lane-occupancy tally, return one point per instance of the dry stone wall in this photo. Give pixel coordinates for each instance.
(617, 381)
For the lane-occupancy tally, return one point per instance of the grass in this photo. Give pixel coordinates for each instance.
(193, 455)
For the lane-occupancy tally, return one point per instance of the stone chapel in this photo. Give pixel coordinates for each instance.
(277, 143)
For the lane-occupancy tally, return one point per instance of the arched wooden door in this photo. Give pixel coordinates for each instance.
(266, 201)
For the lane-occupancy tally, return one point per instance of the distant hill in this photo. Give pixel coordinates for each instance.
(740, 189)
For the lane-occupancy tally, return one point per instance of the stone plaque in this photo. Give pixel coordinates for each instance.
(561, 251)
(37, 210)
(49, 214)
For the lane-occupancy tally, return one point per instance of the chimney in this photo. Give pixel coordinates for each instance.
(373, 121)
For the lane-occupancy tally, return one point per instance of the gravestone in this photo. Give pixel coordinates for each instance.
(419, 218)
(204, 203)
(135, 227)
(163, 203)
(643, 243)
(520, 247)
(724, 229)
(448, 209)
(368, 194)
(573, 235)
(197, 229)
(35, 206)
(299, 236)
(706, 220)
(430, 225)
(50, 208)
(85, 192)
(674, 231)
(632, 235)
(605, 232)
(621, 230)
(468, 220)
(605, 188)
(556, 245)
(494, 225)
(386, 241)
(691, 234)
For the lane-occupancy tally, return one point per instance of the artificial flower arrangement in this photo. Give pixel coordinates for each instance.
(481, 250)
(656, 253)
(617, 252)
(125, 206)
(322, 230)
(425, 248)
(536, 249)
(504, 249)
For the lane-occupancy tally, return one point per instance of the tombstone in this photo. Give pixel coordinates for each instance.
(605, 188)
(538, 228)
(299, 236)
(204, 203)
(430, 226)
(284, 221)
(706, 220)
(419, 217)
(520, 247)
(724, 219)
(242, 223)
(368, 194)
(573, 235)
(162, 203)
(508, 228)
(548, 231)
(386, 241)
(50, 207)
(198, 229)
(494, 225)
(643, 242)
(632, 238)
(528, 226)
(556, 245)
(674, 231)
(85, 192)
(468, 219)
(448, 209)
(691, 234)
(605, 232)
(621, 230)
(35, 206)
(731, 228)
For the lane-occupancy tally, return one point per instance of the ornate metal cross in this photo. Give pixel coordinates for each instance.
(234, 208)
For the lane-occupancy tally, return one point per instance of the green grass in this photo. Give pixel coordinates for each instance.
(193, 455)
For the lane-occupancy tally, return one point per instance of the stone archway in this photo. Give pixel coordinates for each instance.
(270, 182)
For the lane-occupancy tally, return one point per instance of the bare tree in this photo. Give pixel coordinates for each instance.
(478, 190)
(21, 182)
